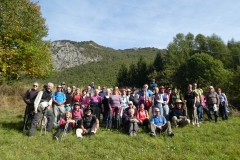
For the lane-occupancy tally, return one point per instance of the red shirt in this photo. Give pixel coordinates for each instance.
(77, 97)
(142, 115)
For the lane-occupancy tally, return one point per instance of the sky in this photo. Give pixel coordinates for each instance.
(124, 24)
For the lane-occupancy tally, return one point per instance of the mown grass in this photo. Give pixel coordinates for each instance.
(210, 141)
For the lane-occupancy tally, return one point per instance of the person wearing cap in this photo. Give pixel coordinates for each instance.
(213, 103)
(77, 113)
(132, 122)
(69, 100)
(29, 98)
(59, 99)
(152, 85)
(164, 102)
(160, 124)
(179, 117)
(63, 85)
(114, 103)
(134, 97)
(41, 106)
(88, 124)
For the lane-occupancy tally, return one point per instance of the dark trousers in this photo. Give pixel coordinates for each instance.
(115, 119)
(211, 111)
(96, 110)
(28, 116)
(146, 122)
(37, 116)
(62, 128)
(223, 110)
(132, 127)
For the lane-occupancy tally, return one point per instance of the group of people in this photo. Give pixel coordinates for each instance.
(127, 108)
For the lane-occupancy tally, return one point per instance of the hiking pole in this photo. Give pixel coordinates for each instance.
(26, 115)
(65, 131)
(44, 119)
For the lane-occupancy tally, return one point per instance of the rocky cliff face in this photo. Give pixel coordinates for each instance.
(67, 55)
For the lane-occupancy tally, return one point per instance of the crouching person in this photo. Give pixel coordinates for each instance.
(88, 124)
(179, 117)
(66, 124)
(132, 123)
(160, 124)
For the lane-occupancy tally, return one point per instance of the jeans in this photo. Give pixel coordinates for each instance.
(199, 111)
(157, 105)
(166, 111)
(223, 110)
(211, 111)
(96, 110)
(106, 117)
(56, 108)
(62, 128)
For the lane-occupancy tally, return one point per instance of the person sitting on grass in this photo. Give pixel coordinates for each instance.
(160, 124)
(132, 123)
(179, 117)
(77, 113)
(68, 122)
(143, 117)
(88, 124)
(126, 113)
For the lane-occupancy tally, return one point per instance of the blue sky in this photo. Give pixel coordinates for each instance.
(139, 23)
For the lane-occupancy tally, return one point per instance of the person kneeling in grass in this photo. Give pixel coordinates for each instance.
(179, 115)
(88, 124)
(65, 122)
(132, 123)
(159, 123)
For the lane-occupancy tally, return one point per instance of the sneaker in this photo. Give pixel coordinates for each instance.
(152, 135)
(193, 123)
(197, 124)
(134, 133)
(170, 134)
(131, 134)
(56, 138)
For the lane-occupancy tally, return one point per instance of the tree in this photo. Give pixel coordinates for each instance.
(22, 50)
(122, 79)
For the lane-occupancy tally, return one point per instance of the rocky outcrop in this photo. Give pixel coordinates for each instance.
(67, 55)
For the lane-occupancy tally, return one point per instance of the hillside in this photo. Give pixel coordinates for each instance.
(79, 63)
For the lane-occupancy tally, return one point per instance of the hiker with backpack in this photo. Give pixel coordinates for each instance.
(160, 124)
(59, 100)
(223, 104)
(143, 117)
(179, 117)
(29, 98)
(41, 105)
(213, 104)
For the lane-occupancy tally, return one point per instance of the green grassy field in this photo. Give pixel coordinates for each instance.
(210, 141)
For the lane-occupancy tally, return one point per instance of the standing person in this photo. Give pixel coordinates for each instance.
(95, 103)
(105, 107)
(124, 103)
(102, 93)
(132, 123)
(69, 100)
(203, 103)
(198, 102)
(190, 100)
(63, 85)
(89, 91)
(157, 100)
(159, 123)
(152, 85)
(84, 102)
(115, 102)
(213, 103)
(92, 86)
(223, 104)
(173, 97)
(29, 99)
(164, 102)
(149, 93)
(134, 97)
(73, 92)
(41, 104)
(59, 100)
(67, 120)
(88, 124)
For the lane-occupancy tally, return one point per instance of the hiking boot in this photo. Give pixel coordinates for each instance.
(170, 134)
